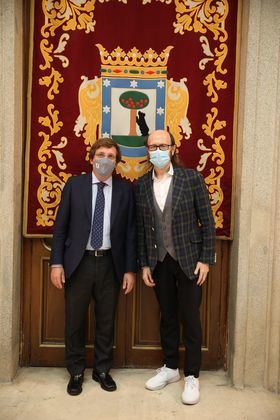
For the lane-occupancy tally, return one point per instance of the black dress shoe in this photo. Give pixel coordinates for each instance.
(106, 381)
(75, 383)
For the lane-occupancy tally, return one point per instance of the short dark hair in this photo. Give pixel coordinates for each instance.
(108, 143)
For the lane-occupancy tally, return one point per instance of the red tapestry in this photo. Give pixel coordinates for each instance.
(123, 68)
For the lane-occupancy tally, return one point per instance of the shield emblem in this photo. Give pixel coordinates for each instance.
(132, 98)
(131, 109)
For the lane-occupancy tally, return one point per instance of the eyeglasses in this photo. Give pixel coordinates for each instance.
(154, 147)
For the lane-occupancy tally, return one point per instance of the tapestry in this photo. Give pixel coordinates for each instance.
(121, 69)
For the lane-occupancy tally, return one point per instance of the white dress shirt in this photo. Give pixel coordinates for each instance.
(161, 186)
(106, 244)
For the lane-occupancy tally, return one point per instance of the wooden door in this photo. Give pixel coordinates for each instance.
(137, 322)
(143, 316)
(43, 314)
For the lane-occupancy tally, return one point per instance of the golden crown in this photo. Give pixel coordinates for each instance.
(134, 57)
(118, 63)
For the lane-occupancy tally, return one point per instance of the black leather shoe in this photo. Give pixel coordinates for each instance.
(106, 381)
(75, 383)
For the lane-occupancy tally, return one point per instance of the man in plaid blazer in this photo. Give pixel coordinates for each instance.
(176, 245)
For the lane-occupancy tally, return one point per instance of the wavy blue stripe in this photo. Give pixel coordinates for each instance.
(133, 151)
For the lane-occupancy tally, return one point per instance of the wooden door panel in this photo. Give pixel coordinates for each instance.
(137, 341)
(51, 320)
(145, 336)
(47, 316)
(143, 342)
(145, 313)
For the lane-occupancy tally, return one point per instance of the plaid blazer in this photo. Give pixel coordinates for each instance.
(193, 227)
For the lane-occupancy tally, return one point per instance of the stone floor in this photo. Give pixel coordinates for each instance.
(39, 394)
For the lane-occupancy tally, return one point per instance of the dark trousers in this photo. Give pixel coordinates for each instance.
(177, 295)
(94, 278)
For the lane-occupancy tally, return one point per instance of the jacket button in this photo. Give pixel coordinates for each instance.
(155, 246)
(153, 228)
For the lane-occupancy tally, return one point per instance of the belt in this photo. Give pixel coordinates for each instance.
(98, 252)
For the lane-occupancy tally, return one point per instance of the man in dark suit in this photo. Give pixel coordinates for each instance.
(93, 252)
(176, 244)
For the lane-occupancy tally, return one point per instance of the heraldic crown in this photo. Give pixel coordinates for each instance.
(119, 63)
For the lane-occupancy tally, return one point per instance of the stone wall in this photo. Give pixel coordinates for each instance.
(254, 310)
(11, 180)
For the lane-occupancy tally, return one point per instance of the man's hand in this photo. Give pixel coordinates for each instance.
(57, 277)
(128, 282)
(147, 277)
(202, 269)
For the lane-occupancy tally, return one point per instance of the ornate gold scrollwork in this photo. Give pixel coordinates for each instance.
(201, 16)
(49, 193)
(205, 16)
(218, 156)
(70, 15)
(162, 1)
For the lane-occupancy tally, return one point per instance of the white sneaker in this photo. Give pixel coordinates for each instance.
(163, 377)
(190, 394)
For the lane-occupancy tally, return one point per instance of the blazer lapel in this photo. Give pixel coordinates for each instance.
(87, 195)
(116, 199)
(149, 192)
(178, 189)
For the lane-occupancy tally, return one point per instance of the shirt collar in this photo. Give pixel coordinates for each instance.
(168, 174)
(96, 180)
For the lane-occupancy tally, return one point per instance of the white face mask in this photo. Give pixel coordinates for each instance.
(104, 166)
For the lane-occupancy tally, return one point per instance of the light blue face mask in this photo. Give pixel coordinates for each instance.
(159, 158)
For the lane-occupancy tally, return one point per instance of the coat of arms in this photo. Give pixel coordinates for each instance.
(131, 98)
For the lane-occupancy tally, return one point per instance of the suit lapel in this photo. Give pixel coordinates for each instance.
(149, 192)
(178, 189)
(87, 195)
(116, 199)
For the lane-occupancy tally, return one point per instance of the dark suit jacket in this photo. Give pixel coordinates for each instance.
(193, 227)
(73, 223)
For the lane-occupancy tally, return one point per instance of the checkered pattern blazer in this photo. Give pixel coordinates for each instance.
(193, 226)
